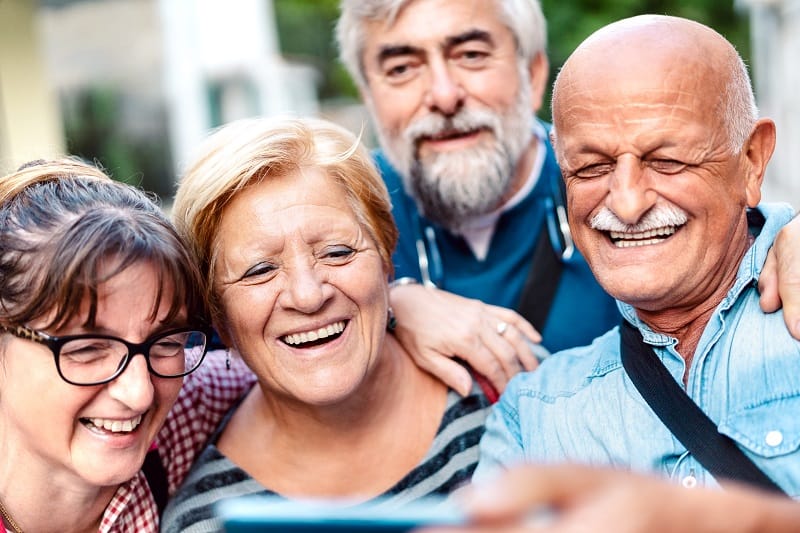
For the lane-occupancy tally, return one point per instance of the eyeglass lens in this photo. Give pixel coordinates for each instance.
(93, 360)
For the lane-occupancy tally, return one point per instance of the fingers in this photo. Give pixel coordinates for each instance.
(450, 372)
(787, 254)
(769, 300)
(433, 324)
(514, 319)
(521, 337)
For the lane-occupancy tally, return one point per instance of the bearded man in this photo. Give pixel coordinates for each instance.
(453, 88)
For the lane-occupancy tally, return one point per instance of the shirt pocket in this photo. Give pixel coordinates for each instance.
(769, 432)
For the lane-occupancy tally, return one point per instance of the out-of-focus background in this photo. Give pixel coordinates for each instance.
(136, 84)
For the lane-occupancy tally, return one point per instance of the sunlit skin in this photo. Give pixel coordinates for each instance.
(437, 57)
(645, 131)
(304, 263)
(43, 418)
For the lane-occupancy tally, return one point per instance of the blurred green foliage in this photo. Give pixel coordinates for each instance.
(96, 133)
(306, 33)
(570, 22)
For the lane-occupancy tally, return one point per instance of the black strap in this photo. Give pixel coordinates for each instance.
(156, 476)
(718, 453)
(541, 285)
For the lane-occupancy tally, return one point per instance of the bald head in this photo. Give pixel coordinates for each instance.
(645, 51)
(662, 153)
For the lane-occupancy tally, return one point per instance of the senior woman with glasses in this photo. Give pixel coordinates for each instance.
(92, 276)
(291, 225)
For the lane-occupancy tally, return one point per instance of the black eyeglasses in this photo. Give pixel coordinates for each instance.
(96, 359)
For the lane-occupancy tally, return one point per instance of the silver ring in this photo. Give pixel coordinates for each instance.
(501, 327)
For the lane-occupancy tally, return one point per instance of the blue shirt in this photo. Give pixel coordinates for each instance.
(581, 310)
(580, 406)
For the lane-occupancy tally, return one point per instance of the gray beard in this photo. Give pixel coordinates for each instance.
(453, 188)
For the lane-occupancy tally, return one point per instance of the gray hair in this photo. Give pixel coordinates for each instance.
(740, 112)
(523, 17)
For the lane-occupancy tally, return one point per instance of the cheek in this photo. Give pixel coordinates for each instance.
(395, 108)
(167, 391)
(243, 307)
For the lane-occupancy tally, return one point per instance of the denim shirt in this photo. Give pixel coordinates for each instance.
(580, 405)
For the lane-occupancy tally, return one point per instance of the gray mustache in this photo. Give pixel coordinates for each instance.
(657, 217)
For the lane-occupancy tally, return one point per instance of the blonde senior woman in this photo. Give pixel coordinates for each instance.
(291, 224)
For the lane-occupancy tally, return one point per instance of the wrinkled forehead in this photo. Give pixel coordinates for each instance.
(625, 69)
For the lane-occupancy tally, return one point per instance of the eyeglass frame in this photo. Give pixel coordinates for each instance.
(54, 343)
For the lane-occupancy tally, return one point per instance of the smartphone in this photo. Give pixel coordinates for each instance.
(250, 514)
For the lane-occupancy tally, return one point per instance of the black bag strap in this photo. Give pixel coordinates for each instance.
(718, 453)
(541, 284)
(156, 476)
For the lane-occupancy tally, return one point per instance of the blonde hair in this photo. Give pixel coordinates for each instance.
(248, 151)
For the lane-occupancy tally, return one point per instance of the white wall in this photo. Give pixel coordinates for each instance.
(30, 125)
(775, 31)
(234, 44)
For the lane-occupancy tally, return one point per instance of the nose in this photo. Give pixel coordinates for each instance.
(304, 289)
(630, 194)
(445, 93)
(134, 387)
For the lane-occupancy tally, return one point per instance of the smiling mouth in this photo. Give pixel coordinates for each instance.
(112, 426)
(643, 238)
(315, 337)
(450, 135)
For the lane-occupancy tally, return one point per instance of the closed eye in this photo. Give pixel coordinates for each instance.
(667, 166)
(261, 269)
(594, 171)
(338, 254)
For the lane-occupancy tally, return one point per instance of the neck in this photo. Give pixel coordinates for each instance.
(687, 322)
(301, 450)
(522, 169)
(392, 385)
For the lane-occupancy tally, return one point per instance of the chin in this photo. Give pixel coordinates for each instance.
(123, 471)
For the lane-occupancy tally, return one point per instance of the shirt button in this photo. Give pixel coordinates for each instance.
(774, 438)
(689, 482)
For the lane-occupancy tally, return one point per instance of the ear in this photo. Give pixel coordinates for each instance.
(757, 152)
(539, 72)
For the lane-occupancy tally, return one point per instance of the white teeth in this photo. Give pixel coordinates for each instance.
(116, 426)
(644, 238)
(311, 336)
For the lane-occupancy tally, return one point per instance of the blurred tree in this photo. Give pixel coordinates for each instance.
(95, 132)
(305, 30)
(569, 22)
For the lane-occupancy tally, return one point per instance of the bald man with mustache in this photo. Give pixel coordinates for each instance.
(663, 154)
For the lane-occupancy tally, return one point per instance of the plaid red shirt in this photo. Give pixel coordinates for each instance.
(206, 396)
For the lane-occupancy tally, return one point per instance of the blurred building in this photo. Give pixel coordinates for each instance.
(139, 81)
(30, 124)
(775, 31)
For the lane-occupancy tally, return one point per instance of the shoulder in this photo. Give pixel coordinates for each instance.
(567, 372)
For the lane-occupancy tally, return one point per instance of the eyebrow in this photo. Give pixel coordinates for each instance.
(469, 35)
(390, 51)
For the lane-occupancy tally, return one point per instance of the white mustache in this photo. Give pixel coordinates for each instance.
(464, 121)
(657, 217)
